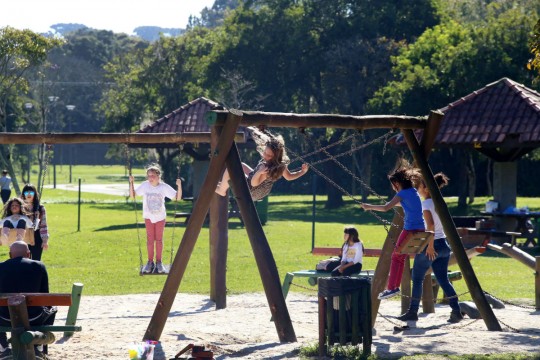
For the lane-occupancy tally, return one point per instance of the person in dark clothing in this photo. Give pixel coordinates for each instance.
(20, 274)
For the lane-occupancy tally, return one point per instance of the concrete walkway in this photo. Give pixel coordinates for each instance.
(109, 189)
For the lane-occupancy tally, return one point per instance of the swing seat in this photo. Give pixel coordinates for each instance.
(166, 269)
(12, 237)
(415, 242)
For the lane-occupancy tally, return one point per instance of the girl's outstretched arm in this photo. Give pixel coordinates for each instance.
(288, 175)
(179, 189)
(394, 202)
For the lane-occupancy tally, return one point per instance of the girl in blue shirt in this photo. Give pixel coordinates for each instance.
(402, 180)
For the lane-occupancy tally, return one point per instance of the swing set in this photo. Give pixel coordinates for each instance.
(414, 243)
(225, 154)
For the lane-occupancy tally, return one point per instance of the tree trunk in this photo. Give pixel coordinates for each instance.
(6, 159)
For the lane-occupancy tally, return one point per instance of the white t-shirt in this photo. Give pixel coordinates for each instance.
(428, 205)
(352, 253)
(154, 200)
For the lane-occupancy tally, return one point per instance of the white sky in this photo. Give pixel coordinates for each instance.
(115, 15)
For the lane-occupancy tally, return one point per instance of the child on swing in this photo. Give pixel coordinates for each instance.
(270, 168)
(14, 217)
(402, 180)
(154, 191)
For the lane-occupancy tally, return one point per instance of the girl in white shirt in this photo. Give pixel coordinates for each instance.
(352, 253)
(154, 192)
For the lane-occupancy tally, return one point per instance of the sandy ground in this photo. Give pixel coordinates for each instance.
(243, 329)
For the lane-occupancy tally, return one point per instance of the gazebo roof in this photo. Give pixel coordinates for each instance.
(188, 118)
(501, 114)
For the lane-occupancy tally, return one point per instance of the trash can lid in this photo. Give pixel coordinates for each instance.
(336, 286)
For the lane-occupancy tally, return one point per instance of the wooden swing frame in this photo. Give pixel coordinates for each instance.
(225, 154)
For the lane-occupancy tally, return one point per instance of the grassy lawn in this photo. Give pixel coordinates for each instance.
(105, 254)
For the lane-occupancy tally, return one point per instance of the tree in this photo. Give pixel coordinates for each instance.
(20, 51)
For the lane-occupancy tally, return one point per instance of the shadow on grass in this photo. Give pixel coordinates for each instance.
(134, 226)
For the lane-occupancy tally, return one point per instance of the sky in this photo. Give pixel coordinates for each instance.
(115, 15)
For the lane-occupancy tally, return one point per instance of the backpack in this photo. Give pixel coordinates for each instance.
(328, 264)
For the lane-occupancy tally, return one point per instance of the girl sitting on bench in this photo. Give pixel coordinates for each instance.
(351, 253)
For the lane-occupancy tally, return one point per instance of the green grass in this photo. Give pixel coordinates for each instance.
(105, 254)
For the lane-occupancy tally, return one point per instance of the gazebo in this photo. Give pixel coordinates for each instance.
(501, 121)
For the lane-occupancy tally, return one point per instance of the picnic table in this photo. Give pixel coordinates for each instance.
(488, 234)
(521, 227)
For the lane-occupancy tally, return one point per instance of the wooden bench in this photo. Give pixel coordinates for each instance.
(23, 335)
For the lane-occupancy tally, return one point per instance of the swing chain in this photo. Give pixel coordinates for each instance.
(128, 165)
(340, 188)
(180, 148)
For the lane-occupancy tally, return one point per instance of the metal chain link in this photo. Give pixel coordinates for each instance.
(128, 165)
(180, 148)
(329, 146)
(511, 303)
(303, 287)
(352, 174)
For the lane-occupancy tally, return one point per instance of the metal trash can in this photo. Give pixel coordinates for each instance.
(344, 313)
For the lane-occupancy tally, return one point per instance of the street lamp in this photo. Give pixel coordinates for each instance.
(70, 109)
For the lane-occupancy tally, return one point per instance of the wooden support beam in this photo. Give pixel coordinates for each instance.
(515, 253)
(219, 241)
(257, 118)
(406, 290)
(193, 229)
(18, 313)
(537, 283)
(108, 138)
(434, 121)
(382, 269)
(452, 235)
(261, 249)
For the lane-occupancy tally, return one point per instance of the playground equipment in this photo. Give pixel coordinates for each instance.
(225, 154)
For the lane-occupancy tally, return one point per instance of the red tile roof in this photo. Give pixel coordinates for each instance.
(186, 119)
(503, 113)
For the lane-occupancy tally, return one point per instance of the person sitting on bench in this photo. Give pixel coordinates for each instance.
(20, 274)
(351, 253)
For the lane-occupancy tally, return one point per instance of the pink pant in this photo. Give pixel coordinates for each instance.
(398, 262)
(154, 234)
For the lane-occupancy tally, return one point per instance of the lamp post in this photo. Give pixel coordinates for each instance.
(70, 109)
(28, 107)
(53, 101)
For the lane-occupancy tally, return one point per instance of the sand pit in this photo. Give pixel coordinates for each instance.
(243, 330)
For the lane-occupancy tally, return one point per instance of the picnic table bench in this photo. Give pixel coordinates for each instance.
(23, 335)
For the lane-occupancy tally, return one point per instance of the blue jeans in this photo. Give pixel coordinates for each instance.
(440, 269)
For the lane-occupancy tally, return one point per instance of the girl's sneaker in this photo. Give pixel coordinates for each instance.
(159, 267)
(148, 268)
(387, 294)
